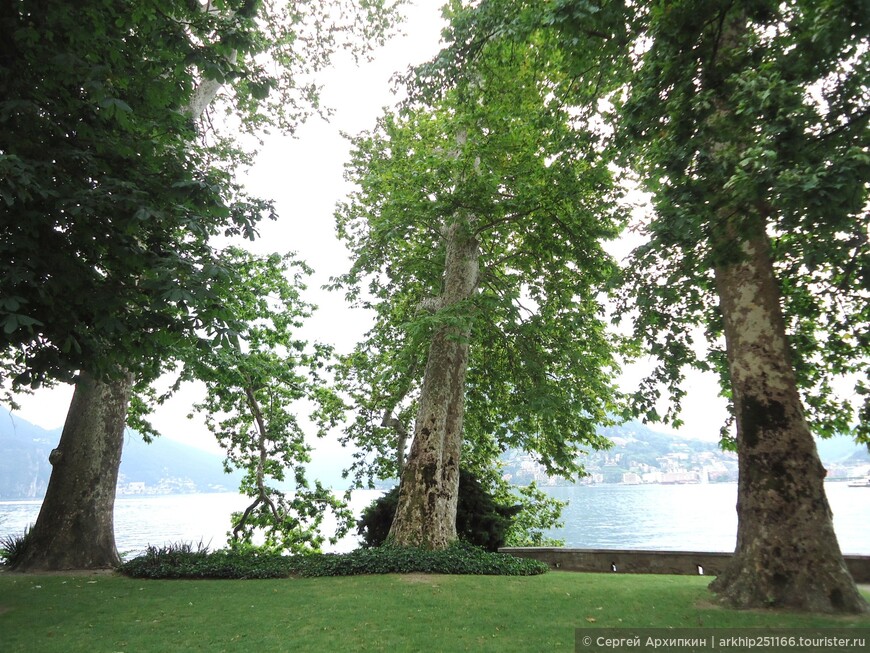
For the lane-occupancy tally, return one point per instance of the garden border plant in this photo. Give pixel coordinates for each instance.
(182, 561)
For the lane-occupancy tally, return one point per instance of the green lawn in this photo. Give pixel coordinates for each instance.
(362, 613)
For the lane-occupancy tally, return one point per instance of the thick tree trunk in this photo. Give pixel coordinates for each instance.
(787, 554)
(426, 513)
(75, 527)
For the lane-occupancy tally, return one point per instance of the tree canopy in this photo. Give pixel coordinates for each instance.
(110, 195)
(747, 121)
(793, 146)
(117, 177)
(749, 124)
(500, 167)
(799, 93)
(476, 230)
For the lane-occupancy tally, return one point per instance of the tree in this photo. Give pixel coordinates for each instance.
(110, 198)
(742, 156)
(476, 231)
(252, 395)
(82, 537)
(108, 208)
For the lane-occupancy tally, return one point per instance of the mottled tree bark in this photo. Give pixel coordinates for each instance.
(787, 554)
(426, 513)
(75, 527)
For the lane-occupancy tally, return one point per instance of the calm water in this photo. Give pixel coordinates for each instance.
(686, 517)
(675, 517)
(158, 520)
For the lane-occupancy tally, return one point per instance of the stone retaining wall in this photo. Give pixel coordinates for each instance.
(651, 562)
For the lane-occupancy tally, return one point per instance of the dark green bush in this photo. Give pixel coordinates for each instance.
(377, 518)
(183, 561)
(480, 521)
(461, 558)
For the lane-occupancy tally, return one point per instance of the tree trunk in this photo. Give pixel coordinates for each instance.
(75, 527)
(787, 554)
(426, 513)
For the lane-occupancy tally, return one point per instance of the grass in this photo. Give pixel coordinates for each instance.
(108, 613)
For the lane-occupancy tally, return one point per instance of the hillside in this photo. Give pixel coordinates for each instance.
(162, 467)
(639, 455)
(642, 455)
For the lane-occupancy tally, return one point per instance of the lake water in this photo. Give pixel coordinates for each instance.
(699, 517)
(666, 517)
(166, 519)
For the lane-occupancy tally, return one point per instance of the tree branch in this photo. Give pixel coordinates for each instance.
(390, 421)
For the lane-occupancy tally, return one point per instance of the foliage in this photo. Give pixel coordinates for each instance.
(793, 148)
(582, 43)
(795, 152)
(109, 198)
(537, 513)
(253, 394)
(12, 547)
(102, 184)
(532, 512)
(182, 560)
(374, 523)
(459, 558)
(480, 520)
(500, 151)
(115, 187)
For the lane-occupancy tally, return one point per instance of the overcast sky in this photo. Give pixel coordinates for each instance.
(305, 178)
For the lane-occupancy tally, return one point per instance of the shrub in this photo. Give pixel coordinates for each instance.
(183, 561)
(539, 513)
(12, 547)
(377, 518)
(460, 558)
(480, 520)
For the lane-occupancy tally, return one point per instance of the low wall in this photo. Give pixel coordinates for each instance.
(651, 562)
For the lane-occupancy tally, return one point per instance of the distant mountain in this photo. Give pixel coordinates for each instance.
(24, 449)
(642, 455)
(169, 467)
(842, 450)
(162, 467)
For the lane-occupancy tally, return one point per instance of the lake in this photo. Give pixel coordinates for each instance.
(665, 517)
(165, 519)
(698, 517)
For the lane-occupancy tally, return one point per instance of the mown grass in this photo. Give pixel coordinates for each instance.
(361, 613)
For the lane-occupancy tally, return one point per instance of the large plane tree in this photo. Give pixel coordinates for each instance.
(476, 230)
(112, 191)
(749, 123)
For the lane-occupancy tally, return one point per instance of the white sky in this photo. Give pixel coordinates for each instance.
(305, 178)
